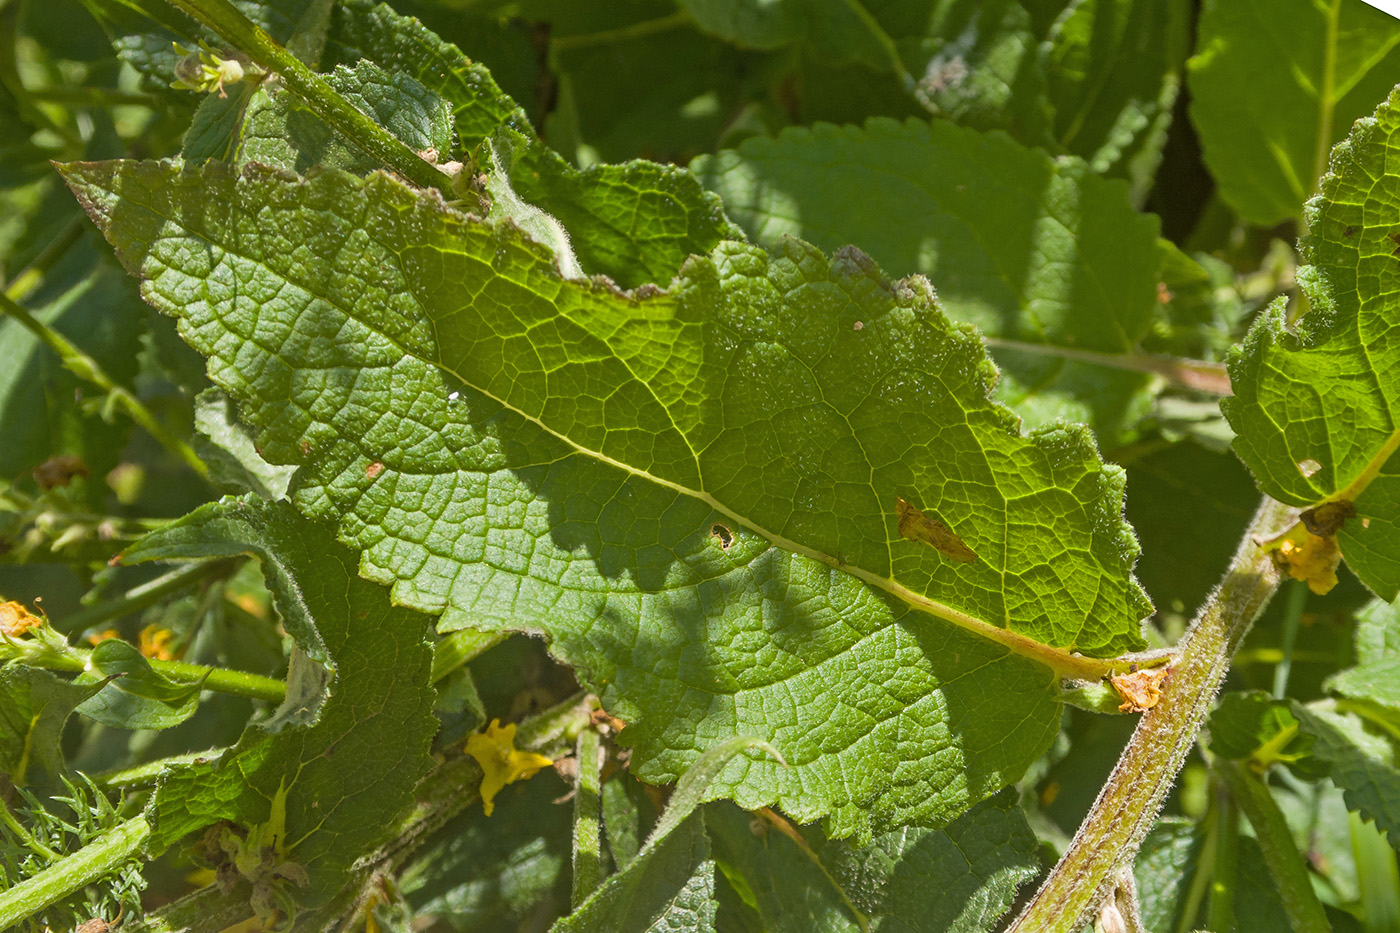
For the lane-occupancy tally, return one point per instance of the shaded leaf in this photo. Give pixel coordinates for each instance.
(347, 773)
(233, 459)
(1030, 249)
(979, 861)
(1274, 83)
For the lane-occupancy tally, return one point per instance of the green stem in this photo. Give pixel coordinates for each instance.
(1190, 908)
(88, 369)
(1292, 615)
(1126, 808)
(93, 97)
(457, 648)
(147, 594)
(1201, 375)
(238, 31)
(587, 816)
(1220, 912)
(88, 865)
(1285, 863)
(75, 660)
(19, 287)
(624, 34)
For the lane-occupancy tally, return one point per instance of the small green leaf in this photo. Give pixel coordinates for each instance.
(1255, 725)
(345, 777)
(1361, 758)
(138, 697)
(1274, 83)
(1315, 399)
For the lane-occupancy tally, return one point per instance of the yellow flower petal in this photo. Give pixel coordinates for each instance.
(501, 763)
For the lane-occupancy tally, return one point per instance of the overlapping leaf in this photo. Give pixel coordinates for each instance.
(664, 485)
(347, 775)
(1275, 83)
(1030, 249)
(1317, 399)
(635, 222)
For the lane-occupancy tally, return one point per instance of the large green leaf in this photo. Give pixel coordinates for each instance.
(669, 485)
(1030, 249)
(345, 765)
(1316, 399)
(1274, 83)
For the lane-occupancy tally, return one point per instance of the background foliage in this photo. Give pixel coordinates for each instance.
(311, 471)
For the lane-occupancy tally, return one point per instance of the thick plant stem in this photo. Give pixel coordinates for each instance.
(94, 861)
(236, 29)
(1286, 864)
(1108, 840)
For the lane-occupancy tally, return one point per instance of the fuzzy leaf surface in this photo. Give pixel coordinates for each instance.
(34, 705)
(1028, 248)
(692, 492)
(1274, 83)
(352, 771)
(1316, 409)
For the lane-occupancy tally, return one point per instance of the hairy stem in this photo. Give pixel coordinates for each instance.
(1286, 864)
(88, 369)
(241, 33)
(89, 864)
(587, 813)
(1108, 840)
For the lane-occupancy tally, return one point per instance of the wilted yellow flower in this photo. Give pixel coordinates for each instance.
(15, 619)
(501, 763)
(1309, 558)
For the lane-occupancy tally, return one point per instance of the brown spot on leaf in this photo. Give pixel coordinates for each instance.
(1349, 231)
(1327, 519)
(1394, 238)
(373, 470)
(858, 325)
(305, 448)
(1140, 690)
(59, 471)
(723, 535)
(914, 525)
